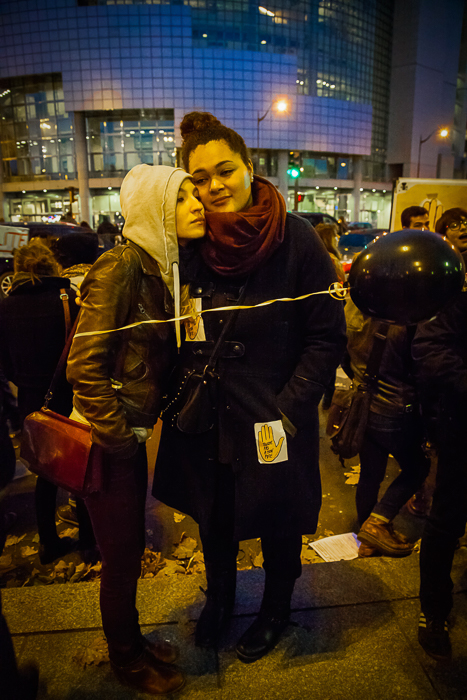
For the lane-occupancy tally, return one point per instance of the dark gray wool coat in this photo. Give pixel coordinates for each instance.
(279, 358)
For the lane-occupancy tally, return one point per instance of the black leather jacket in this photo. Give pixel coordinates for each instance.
(396, 391)
(118, 377)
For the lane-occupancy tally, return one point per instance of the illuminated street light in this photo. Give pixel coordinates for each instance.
(443, 133)
(281, 106)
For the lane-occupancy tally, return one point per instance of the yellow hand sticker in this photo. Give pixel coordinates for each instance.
(267, 446)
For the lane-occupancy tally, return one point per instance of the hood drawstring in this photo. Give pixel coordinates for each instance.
(176, 279)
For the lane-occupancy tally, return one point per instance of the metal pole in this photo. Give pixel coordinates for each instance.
(419, 154)
(259, 120)
(420, 149)
(257, 142)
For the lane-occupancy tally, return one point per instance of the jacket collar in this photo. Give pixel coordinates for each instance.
(149, 265)
(43, 284)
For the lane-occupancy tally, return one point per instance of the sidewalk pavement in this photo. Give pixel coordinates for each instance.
(354, 637)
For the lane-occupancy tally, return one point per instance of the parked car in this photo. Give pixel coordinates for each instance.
(11, 237)
(354, 242)
(317, 217)
(14, 235)
(359, 225)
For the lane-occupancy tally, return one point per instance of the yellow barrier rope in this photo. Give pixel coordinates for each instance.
(336, 291)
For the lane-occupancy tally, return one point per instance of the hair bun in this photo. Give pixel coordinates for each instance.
(197, 121)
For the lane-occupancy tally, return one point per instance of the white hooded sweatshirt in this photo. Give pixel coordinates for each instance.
(148, 197)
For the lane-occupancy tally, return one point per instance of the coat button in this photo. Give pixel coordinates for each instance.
(198, 290)
(227, 408)
(237, 349)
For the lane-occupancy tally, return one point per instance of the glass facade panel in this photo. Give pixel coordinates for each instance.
(32, 126)
(119, 140)
(38, 140)
(322, 166)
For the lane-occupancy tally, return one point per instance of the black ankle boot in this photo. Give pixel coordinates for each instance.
(273, 618)
(220, 599)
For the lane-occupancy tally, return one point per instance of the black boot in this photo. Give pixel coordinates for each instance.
(220, 599)
(273, 618)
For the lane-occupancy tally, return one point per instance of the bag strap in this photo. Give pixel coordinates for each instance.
(66, 312)
(232, 318)
(61, 363)
(370, 376)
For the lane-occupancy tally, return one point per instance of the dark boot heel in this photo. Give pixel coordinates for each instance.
(273, 618)
(217, 612)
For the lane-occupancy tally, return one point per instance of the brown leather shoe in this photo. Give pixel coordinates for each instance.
(161, 650)
(418, 505)
(150, 676)
(382, 536)
(366, 551)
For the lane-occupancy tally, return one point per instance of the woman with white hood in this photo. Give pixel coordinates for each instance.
(118, 379)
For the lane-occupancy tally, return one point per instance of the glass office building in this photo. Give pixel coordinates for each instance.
(90, 88)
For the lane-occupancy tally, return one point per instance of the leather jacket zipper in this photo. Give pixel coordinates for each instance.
(143, 311)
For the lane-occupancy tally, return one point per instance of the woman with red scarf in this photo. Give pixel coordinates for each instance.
(256, 472)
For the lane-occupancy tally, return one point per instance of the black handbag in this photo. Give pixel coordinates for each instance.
(192, 405)
(350, 408)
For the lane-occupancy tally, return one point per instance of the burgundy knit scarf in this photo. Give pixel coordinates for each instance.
(237, 243)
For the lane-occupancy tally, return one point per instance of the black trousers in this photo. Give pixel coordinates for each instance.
(400, 436)
(446, 522)
(9, 677)
(281, 551)
(117, 515)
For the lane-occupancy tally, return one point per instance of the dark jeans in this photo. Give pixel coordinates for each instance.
(446, 522)
(117, 515)
(281, 551)
(402, 437)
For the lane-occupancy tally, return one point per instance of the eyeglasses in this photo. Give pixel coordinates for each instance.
(456, 225)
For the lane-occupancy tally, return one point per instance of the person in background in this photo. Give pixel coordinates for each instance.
(108, 234)
(415, 217)
(343, 227)
(118, 379)
(76, 253)
(330, 236)
(32, 337)
(15, 684)
(68, 218)
(256, 473)
(440, 353)
(84, 224)
(453, 225)
(394, 427)
(418, 218)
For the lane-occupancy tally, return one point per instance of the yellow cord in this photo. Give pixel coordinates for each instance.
(336, 291)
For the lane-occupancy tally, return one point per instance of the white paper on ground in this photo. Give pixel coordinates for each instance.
(337, 547)
(21, 470)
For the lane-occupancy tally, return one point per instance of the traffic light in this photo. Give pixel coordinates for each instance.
(300, 197)
(294, 165)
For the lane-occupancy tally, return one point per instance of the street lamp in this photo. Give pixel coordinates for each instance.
(281, 106)
(443, 133)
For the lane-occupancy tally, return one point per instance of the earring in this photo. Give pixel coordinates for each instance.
(251, 178)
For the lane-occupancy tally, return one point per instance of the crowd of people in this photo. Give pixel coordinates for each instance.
(201, 239)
